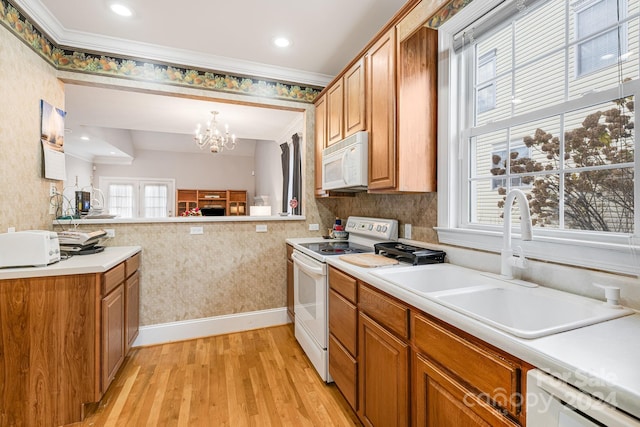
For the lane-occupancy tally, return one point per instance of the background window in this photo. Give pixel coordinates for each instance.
(139, 198)
(596, 22)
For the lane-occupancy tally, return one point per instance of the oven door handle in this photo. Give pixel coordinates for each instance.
(299, 261)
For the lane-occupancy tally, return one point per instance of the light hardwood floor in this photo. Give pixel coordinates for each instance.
(254, 378)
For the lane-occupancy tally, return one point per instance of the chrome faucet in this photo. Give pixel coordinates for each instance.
(508, 261)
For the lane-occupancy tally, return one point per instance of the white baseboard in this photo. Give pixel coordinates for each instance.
(190, 329)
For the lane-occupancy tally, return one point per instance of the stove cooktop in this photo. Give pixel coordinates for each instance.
(336, 248)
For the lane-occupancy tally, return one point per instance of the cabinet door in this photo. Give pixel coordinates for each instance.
(321, 141)
(354, 99)
(440, 401)
(383, 372)
(113, 334)
(132, 299)
(417, 113)
(381, 112)
(335, 97)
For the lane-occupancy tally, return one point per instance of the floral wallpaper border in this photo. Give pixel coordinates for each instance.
(85, 62)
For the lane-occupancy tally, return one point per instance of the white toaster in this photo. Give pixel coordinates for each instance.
(32, 248)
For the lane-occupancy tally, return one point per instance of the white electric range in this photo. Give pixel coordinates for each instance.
(311, 285)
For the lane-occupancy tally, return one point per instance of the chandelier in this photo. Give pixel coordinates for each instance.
(213, 138)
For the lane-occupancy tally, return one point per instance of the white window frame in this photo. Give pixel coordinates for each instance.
(614, 252)
(138, 194)
(489, 84)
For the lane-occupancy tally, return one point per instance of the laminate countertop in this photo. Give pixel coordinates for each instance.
(77, 264)
(601, 359)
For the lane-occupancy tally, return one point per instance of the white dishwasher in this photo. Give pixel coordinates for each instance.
(554, 403)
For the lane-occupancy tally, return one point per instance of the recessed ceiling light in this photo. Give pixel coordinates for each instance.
(84, 138)
(121, 9)
(281, 41)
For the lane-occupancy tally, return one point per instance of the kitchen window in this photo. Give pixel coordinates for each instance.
(570, 138)
(139, 198)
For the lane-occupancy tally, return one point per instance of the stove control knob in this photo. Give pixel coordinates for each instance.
(384, 228)
(370, 227)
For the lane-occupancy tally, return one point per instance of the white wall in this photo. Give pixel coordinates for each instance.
(79, 177)
(191, 171)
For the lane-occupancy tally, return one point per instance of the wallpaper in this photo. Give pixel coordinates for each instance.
(26, 79)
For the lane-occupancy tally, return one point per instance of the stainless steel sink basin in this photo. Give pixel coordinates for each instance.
(430, 278)
(530, 312)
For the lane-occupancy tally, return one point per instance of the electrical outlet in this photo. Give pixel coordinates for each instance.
(407, 231)
(111, 232)
(53, 200)
(314, 227)
(197, 230)
(261, 228)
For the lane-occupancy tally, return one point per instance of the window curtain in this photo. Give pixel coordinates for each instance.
(297, 175)
(291, 176)
(285, 176)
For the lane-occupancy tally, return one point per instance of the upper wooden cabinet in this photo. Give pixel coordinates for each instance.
(354, 98)
(402, 112)
(417, 111)
(346, 104)
(381, 112)
(320, 141)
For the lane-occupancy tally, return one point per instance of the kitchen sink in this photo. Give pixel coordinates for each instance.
(430, 278)
(519, 308)
(530, 312)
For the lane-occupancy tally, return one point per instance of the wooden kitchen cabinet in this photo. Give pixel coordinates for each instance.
(120, 306)
(354, 115)
(381, 112)
(417, 111)
(335, 108)
(443, 401)
(383, 363)
(63, 340)
(113, 334)
(290, 299)
(456, 374)
(343, 330)
(346, 104)
(383, 371)
(402, 112)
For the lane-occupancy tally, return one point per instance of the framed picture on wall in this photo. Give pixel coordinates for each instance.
(52, 139)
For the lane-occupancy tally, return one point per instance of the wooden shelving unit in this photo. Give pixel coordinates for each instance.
(212, 202)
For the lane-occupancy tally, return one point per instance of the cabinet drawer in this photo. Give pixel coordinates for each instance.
(343, 284)
(343, 320)
(132, 264)
(112, 278)
(386, 311)
(343, 369)
(488, 372)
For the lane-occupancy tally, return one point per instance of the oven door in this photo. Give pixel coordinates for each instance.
(310, 296)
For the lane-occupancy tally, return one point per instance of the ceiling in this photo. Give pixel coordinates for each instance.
(223, 36)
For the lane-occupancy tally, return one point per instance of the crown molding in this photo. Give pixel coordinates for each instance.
(49, 24)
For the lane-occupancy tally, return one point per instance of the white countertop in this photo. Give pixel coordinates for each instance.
(602, 359)
(77, 264)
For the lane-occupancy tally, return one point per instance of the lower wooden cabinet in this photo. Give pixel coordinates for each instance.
(398, 366)
(132, 300)
(63, 339)
(113, 334)
(441, 401)
(383, 371)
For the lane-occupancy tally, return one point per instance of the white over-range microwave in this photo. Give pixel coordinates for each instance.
(345, 164)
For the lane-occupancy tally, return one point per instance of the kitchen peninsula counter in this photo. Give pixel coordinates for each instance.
(65, 330)
(77, 264)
